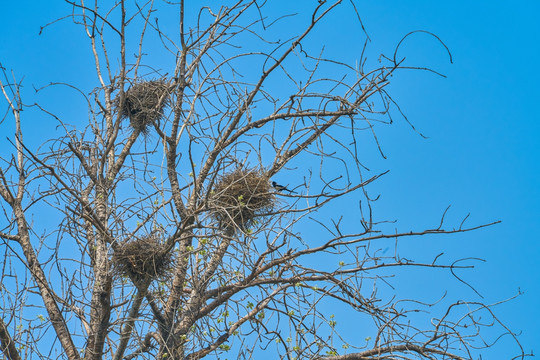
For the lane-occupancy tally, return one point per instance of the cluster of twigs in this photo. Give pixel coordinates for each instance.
(143, 259)
(144, 103)
(241, 196)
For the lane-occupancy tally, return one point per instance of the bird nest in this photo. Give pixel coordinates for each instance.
(144, 103)
(240, 196)
(145, 258)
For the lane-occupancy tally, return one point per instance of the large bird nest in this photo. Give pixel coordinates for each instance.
(143, 259)
(241, 196)
(144, 103)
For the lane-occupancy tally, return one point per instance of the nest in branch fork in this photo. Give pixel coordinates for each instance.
(240, 196)
(145, 258)
(144, 103)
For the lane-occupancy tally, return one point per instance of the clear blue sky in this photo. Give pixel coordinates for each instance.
(482, 124)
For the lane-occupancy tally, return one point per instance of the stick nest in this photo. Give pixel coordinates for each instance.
(143, 259)
(241, 196)
(144, 103)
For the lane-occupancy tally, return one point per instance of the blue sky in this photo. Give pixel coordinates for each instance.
(482, 125)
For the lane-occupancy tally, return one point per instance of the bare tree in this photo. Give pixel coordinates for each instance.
(170, 236)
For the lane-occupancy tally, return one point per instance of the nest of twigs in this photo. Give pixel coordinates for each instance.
(145, 258)
(144, 103)
(241, 196)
